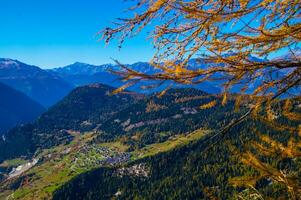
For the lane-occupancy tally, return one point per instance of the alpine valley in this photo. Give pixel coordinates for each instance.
(90, 144)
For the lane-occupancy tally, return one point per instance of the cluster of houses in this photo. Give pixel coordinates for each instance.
(138, 170)
(95, 155)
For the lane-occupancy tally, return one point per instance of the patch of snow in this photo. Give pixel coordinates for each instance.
(5, 63)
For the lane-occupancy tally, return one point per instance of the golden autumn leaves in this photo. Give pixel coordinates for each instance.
(224, 35)
(270, 148)
(234, 39)
(241, 43)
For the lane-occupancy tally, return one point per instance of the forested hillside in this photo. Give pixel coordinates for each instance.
(195, 171)
(155, 119)
(139, 145)
(84, 109)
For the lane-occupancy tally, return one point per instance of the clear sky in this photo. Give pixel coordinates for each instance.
(52, 33)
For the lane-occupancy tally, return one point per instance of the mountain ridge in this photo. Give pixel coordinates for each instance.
(40, 85)
(81, 73)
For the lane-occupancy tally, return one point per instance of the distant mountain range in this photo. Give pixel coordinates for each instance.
(79, 68)
(43, 87)
(16, 108)
(49, 86)
(80, 74)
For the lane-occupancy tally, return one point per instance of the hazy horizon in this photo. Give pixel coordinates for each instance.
(53, 67)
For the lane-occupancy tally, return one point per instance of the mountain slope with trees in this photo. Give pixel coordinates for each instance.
(145, 127)
(194, 171)
(83, 110)
(16, 108)
(93, 108)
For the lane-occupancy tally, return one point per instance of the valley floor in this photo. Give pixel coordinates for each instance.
(59, 165)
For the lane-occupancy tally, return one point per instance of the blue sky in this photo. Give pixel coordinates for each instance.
(52, 33)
